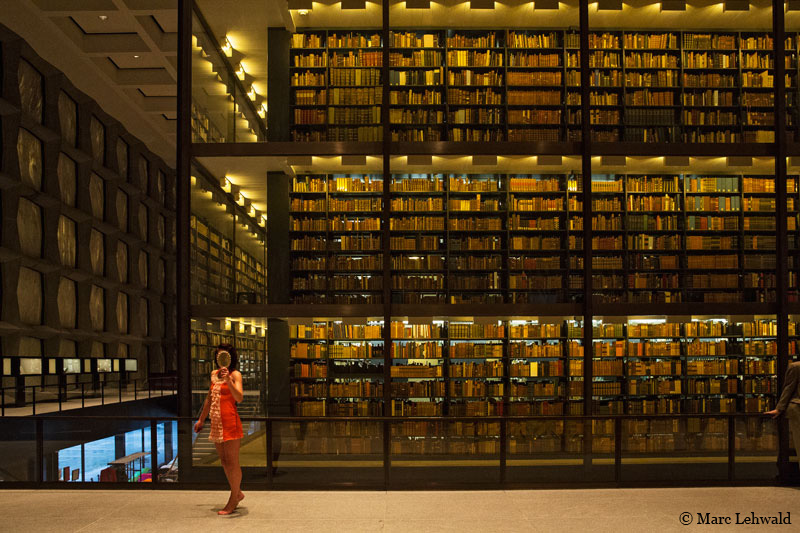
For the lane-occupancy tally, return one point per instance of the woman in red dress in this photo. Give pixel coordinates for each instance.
(226, 427)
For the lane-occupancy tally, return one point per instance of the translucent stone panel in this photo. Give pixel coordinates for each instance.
(31, 92)
(67, 348)
(122, 261)
(67, 303)
(68, 117)
(67, 181)
(30, 347)
(96, 252)
(122, 158)
(160, 231)
(122, 312)
(97, 195)
(143, 216)
(67, 241)
(98, 349)
(144, 173)
(97, 308)
(29, 296)
(29, 228)
(29, 152)
(97, 133)
(143, 270)
(122, 210)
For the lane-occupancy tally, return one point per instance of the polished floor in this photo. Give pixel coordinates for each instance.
(616, 510)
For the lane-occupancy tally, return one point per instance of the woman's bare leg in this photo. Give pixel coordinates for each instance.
(234, 473)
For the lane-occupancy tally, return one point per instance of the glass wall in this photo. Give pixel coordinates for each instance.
(442, 275)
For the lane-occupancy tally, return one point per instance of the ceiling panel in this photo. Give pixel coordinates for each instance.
(130, 61)
(115, 22)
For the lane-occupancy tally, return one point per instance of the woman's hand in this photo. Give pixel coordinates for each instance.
(224, 374)
(198, 426)
(774, 413)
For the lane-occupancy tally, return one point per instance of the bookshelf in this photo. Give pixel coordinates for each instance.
(335, 239)
(336, 90)
(223, 271)
(534, 366)
(336, 368)
(524, 85)
(517, 238)
(250, 347)
(417, 86)
(792, 227)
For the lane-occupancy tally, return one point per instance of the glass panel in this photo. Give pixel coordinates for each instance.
(443, 451)
(327, 453)
(229, 73)
(18, 442)
(248, 336)
(675, 449)
(756, 448)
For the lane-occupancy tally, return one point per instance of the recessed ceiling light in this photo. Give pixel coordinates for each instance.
(103, 17)
(136, 57)
(303, 12)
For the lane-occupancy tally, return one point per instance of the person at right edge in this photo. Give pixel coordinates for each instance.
(789, 402)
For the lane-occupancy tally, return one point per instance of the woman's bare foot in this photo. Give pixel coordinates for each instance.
(231, 507)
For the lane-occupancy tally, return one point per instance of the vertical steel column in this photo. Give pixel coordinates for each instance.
(782, 273)
(154, 450)
(183, 211)
(385, 244)
(586, 180)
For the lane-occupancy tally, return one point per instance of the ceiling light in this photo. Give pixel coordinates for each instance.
(303, 12)
(103, 17)
(252, 94)
(240, 73)
(136, 56)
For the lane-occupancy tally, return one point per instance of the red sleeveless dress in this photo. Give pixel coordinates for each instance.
(225, 422)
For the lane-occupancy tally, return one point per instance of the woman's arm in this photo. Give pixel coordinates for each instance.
(235, 385)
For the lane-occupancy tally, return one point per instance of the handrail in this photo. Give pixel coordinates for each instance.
(141, 387)
(445, 418)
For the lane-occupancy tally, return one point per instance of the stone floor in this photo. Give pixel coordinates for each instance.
(480, 511)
